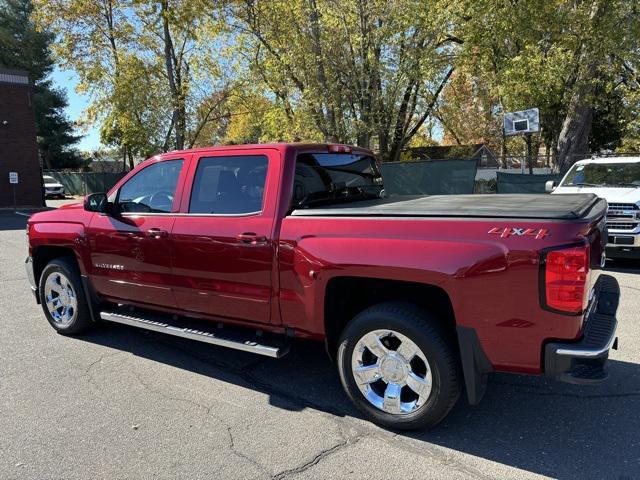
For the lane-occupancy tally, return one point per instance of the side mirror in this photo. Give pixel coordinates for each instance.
(550, 185)
(97, 202)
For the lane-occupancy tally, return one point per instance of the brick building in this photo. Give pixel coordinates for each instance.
(18, 147)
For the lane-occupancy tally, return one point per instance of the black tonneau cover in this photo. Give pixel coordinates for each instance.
(553, 207)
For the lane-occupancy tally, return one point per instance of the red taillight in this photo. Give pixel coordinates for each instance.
(566, 279)
(339, 149)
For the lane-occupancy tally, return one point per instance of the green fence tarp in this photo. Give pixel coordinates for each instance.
(431, 177)
(524, 183)
(82, 183)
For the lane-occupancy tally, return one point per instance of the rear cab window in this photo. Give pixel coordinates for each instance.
(331, 178)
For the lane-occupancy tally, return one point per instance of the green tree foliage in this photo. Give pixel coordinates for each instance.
(22, 47)
(362, 69)
(150, 68)
(170, 74)
(568, 58)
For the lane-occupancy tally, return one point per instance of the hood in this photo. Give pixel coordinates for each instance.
(53, 185)
(74, 205)
(610, 194)
(69, 213)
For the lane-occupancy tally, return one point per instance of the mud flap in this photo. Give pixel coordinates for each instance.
(475, 364)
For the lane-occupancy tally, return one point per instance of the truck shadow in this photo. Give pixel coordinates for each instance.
(530, 423)
(11, 221)
(553, 429)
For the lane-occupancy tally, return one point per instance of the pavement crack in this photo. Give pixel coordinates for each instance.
(238, 453)
(346, 442)
(87, 370)
(630, 288)
(99, 360)
(150, 388)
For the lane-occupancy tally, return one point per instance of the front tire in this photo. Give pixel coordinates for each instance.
(399, 367)
(62, 297)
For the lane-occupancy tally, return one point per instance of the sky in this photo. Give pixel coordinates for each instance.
(67, 81)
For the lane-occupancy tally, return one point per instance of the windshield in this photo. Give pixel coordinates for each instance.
(604, 175)
(49, 179)
(325, 178)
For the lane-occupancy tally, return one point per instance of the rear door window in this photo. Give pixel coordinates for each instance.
(232, 185)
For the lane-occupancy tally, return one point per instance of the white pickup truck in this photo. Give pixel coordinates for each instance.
(617, 180)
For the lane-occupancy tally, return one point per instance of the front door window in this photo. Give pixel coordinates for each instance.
(152, 190)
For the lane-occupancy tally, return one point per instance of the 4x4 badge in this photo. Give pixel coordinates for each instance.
(506, 232)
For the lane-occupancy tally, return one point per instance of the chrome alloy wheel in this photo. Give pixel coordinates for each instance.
(60, 298)
(391, 371)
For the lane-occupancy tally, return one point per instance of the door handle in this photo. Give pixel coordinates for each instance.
(157, 233)
(251, 238)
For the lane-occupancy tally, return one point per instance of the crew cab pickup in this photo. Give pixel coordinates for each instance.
(416, 298)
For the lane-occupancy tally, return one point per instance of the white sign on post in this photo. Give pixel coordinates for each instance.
(13, 178)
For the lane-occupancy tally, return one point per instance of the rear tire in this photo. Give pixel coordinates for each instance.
(409, 378)
(63, 298)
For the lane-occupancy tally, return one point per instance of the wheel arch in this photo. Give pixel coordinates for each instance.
(345, 297)
(43, 254)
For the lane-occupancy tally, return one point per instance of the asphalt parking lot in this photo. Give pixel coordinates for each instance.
(124, 403)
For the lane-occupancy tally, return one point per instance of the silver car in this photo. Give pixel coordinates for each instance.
(52, 188)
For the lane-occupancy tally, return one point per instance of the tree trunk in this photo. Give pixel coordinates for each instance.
(47, 161)
(124, 158)
(321, 75)
(573, 143)
(400, 141)
(503, 151)
(175, 87)
(530, 153)
(131, 164)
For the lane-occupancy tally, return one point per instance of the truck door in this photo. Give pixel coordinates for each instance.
(223, 250)
(131, 248)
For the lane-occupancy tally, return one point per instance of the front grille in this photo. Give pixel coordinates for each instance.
(621, 226)
(622, 216)
(623, 206)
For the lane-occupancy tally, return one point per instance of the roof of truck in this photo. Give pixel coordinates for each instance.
(605, 160)
(278, 146)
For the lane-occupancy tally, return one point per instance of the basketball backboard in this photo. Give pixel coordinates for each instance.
(522, 122)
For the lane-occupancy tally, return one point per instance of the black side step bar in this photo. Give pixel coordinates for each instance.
(237, 342)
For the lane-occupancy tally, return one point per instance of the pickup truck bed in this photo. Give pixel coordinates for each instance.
(543, 207)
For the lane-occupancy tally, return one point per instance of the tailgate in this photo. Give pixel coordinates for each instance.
(596, 235)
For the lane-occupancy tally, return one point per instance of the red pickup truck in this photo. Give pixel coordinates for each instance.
(414, 297)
